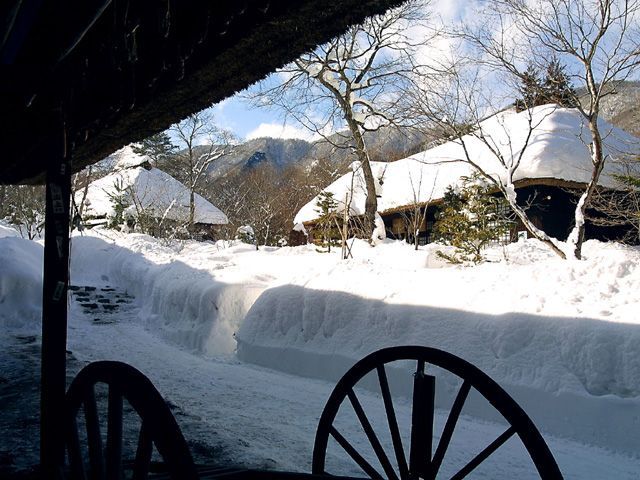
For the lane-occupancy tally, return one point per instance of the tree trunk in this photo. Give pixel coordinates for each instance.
(3, 196)
(371, 202)
(532, 229)
(192, 209)
(597, 157)
(85, 191)
(345, 226)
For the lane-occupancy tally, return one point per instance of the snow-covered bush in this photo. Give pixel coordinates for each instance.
(379, 232)
(22, 206)
(246, 234)
(470, 220)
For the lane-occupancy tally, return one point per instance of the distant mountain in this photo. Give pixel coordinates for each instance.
(277, 152)
(622, 109)
(385, 145)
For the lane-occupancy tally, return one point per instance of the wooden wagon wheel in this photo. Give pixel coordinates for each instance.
(158, 427)
(421, 462)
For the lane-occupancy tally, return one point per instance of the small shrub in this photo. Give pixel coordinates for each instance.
(470, 220)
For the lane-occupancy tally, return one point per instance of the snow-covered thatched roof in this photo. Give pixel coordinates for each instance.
(557, 150)
(156, 192)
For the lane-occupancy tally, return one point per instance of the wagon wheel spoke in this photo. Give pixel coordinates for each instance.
(114, 435)
(484, 454)
(75, 455)
(353, 453)
(449, 427)
(94, 439)
(373, 439)
(424, 458)
(421, 422)
(393, 423)
(143, 453)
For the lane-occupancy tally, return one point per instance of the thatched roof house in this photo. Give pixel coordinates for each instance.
(146, 189)
(82, 79)
(557, 156)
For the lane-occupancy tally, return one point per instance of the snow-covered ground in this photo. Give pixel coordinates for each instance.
(247, 345)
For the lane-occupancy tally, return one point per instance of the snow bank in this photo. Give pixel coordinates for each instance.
(557, 150)
(562, 337)
(20, 282)
(180, 294)
(7, 230)
(516, 311)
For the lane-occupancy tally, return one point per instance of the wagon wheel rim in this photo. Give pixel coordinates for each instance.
(418, 464)
(157, 425)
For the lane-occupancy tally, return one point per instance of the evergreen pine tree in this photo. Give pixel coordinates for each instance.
(470, 220)
(326, 206)
(530, 89)
(157, 147)
(557, 86)
(120, 200)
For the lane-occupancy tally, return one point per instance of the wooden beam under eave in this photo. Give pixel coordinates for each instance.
(54, 307)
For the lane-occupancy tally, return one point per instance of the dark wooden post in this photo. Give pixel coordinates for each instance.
(54, 307)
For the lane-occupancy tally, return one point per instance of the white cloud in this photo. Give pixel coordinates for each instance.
(278, 130)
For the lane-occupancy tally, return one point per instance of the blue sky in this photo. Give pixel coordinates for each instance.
(247, 121)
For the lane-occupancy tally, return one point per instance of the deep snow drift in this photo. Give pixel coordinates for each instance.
(20, 284)
(561, 336)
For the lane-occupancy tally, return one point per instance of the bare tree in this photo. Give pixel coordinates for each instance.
(80, 183)
(491, 150)
(23, 206)
(352, 85)
(264, 197)
(621, 207)
(3, 200)
(599, 40)
(201, 143)
(416, 215)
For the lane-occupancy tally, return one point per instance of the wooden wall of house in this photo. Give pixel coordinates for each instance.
(396, 225)
(551, 209)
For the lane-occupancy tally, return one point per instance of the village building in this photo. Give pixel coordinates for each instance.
(551, 172)
(145, 193)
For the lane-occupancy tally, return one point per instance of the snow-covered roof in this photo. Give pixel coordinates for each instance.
(558, 149)
(157, 192)
(127, 158)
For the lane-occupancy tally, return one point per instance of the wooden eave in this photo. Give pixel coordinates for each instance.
(117, 72)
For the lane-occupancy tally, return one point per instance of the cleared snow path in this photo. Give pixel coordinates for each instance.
(241, 414)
